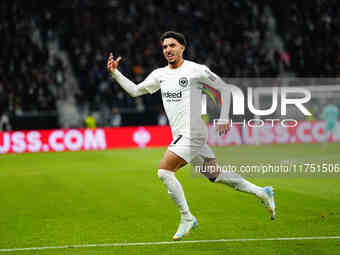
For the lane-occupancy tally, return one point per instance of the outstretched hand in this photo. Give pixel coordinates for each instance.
(112, 64)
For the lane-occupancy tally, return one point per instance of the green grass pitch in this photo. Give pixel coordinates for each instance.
(114, 196)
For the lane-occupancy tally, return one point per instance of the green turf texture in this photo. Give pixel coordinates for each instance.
(52, 199)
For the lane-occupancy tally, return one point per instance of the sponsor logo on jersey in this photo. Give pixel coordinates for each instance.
(176, 95)
(183, 82)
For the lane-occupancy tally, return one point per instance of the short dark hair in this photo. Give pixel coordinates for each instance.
(176, 35)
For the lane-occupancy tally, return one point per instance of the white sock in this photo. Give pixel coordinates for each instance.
(176, 192)
(237, 182)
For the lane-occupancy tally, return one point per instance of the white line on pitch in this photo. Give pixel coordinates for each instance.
(172, 242)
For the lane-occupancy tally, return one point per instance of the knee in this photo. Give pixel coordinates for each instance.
(210, 163)
(210, 169)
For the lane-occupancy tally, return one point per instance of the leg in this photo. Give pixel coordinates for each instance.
(206, 162)
(169, 164)
(211, 170)
(206, 167)
(326, 134)
(330, 129)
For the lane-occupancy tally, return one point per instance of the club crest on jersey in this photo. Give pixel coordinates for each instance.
(183, 82)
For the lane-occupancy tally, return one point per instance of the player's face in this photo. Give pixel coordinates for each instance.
(172, 50)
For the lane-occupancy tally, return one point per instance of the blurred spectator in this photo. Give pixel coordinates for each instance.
(26, 74)
(5, 124)
(116, 120)
(90, 122)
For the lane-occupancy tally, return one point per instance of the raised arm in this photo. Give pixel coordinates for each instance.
(149, 85)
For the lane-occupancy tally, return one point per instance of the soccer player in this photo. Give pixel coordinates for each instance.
(330, 115)
(181, 82)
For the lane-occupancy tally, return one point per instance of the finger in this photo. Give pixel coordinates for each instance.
(109, 66)
(118, 59)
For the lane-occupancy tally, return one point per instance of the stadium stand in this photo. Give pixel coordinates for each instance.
(238, 38)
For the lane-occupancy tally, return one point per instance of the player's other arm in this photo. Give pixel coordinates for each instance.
(213, 80)
(149, 85)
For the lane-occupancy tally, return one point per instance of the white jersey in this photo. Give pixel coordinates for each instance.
(181, 90)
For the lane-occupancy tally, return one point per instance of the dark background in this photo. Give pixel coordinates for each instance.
(53, 58)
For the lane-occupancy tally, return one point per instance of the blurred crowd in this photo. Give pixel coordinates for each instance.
(236, 38)
(29, 76)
